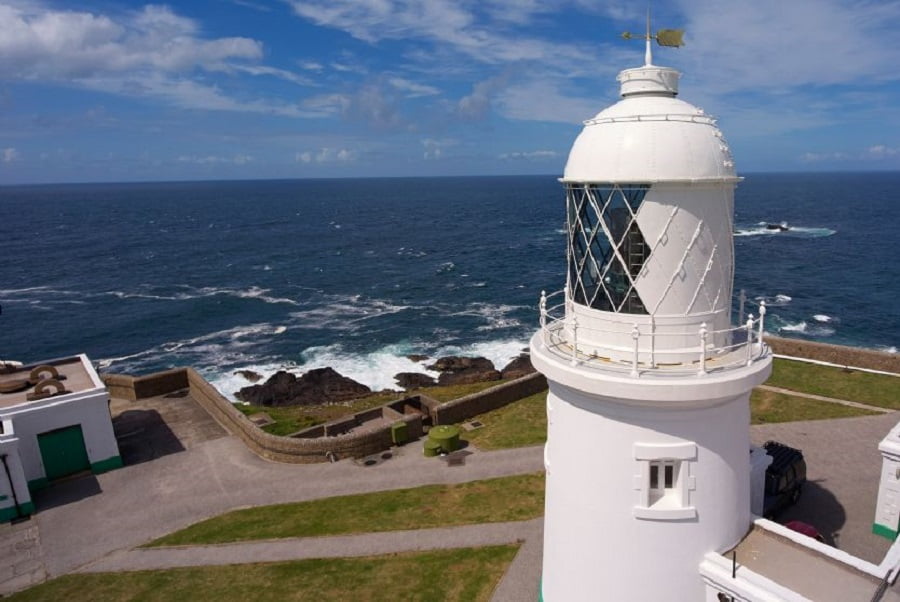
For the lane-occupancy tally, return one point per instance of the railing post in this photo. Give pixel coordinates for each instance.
(703, 334)
(762, 319)
(749, 339)
(652, 341)
(743, 300)
(636, 336)
(543, 306)
(574, 340)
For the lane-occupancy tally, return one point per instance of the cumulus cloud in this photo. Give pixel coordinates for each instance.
(148, 52)
(544, 100)
(8, 155)
(326, 155)
(478, 104)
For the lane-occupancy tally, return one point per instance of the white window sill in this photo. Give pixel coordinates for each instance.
(655, 513)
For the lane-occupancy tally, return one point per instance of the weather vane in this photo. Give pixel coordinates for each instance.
(663, 37)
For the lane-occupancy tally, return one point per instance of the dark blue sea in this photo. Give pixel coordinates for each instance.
(360, 273)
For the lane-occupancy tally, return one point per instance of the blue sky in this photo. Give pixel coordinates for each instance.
(209, 89)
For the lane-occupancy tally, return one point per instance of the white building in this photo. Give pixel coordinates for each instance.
(648, 470)
(54, 422)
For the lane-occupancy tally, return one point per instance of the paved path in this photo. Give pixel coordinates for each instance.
(125, 508)
(338, 546)
(843, 402)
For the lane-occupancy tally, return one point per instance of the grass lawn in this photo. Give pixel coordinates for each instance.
(518, 424)
(519, 497)
(873, 389)
(768, 406)
(452, 575)
(295, 418)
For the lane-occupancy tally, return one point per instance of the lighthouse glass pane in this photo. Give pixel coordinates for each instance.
(601, 222)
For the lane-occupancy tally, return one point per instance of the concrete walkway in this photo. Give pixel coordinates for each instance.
(843, 402)
(298, 548)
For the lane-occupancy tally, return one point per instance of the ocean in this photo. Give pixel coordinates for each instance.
(358, 274)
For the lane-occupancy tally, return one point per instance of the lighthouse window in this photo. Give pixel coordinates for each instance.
(664, 481)
(607, 250)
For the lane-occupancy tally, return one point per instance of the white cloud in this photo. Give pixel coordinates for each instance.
(151, 52)
(434, 149)
(326, 155)
(8, 155)
(66, 45)
(477, 104)
(449, 23)
(777, 45)
(542, 100)
(215, 159)
(529, 155)
(412, 89)
(875, 153)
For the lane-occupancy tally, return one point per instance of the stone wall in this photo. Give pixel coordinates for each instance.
(305, 447)
(468, 406)
(836, 354)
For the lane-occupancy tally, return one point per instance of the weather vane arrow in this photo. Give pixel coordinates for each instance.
(664, 37)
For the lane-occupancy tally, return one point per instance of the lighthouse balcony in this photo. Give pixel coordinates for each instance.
(642, 345)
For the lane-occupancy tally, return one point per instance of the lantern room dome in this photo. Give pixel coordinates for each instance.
(650, 136)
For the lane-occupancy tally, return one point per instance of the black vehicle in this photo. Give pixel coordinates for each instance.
(784, 477)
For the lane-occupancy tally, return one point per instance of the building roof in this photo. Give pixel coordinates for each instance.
(77, 375)
(807, 569)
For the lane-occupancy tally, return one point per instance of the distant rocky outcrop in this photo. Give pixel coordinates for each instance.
(414, 380)
(322, 385)
(250, 375)
(519, 367)
(464, 370)
(416, 357)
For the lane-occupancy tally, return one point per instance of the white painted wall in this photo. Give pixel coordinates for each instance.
(89, 409)
(594, 546)
(887, 510)
(9, 446)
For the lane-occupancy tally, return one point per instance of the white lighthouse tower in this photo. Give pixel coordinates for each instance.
(647, 458)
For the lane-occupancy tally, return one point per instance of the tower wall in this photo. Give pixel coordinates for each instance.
(606, 538)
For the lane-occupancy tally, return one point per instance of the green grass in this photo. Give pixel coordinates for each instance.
(519, 497)
(768, 407)
(874, 389)
(518, 424)
(290, 419)
(450, 575)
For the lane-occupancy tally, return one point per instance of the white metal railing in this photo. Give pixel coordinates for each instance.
(715, 350)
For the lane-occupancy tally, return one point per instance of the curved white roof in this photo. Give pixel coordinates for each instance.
(650, 136)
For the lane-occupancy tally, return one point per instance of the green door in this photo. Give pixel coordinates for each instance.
(63, 452)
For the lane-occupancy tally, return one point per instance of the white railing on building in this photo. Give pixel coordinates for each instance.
(732, 348)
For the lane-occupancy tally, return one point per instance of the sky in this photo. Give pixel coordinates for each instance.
(99, 90)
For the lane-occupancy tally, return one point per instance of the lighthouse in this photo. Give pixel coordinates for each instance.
(648, 453)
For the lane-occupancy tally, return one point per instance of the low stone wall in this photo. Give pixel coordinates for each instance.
(468, 406)
(836, 354)
(305, 447)
(133, 388)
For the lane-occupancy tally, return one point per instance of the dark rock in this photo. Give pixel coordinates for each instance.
(315, 387)
(415, 357)
(250, 375)
(414, 380)
(519, 367)
(464, 370)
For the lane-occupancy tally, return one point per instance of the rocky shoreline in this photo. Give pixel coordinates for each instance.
(326, 386)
